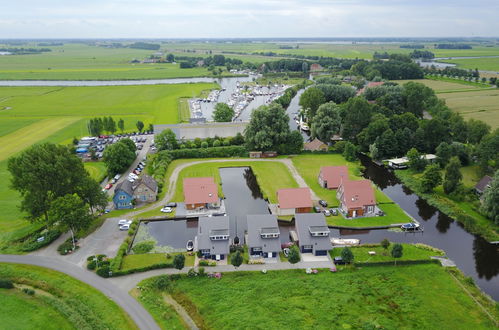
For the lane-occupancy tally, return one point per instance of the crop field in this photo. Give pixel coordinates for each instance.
(487, 64)
(439, 85)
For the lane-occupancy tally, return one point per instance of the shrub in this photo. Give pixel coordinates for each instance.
(294, 255)
(66, 247)
(192, 273)
(6, 284)
(256, 262)
(201, 272)
(207, 263)
(91, 265)
(100, 257)
(179, 261)
(234, 248)
(103, 272)
(204, 144)
(90, 258)
(28, 291)
(32, 244)
(143, 247)
(162, 282)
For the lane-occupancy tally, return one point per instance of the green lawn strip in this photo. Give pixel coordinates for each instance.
(9, 125)
(81, 304)
(393, 215)
(133, 261)
(21, 311)
(97, 170)
(410, 252)
(271, 176)
(463, 211)
(379, 296)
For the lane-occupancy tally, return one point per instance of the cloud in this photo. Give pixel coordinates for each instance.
(246, 18)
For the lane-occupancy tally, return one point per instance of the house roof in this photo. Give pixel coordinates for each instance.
(200, 190)
(357, 194)
(264, 223)
(149, 182)
(315, 144)
(333, 175)
(483, 183)
(208, 226)
(125, 186)
(292, 198)
(304, 222)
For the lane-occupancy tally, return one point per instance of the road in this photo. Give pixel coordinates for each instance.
(121, 297)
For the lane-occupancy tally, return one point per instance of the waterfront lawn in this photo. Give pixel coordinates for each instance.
(393, 215)
(148, 259)
(385, 296)
(271, 176)
(410, 252)
(81, 305)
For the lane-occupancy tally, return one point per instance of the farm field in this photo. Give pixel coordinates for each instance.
(440, 85)
(59, 302)
(486, 64)
(380, 296)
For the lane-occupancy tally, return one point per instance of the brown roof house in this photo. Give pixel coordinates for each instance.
(356, 198)
(315, 145)
(294, 200)
(330, 177)
(201, 193)
(483, 184)
(146, 189)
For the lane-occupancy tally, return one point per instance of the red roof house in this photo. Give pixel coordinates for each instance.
(200, 193)
(294, 200)
(356, 198)
(330, 177)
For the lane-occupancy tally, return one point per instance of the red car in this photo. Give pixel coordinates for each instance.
(108, 186)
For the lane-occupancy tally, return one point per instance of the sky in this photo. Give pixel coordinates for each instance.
(247, 18)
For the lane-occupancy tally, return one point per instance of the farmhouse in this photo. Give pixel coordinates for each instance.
(123, 195)
(315, 145)
(330, 177)
(212, 240)
(313, 234)
(356, 198)
(483, 184)
(263, 236)
(294, 200)
(146, 189)
(201, 193)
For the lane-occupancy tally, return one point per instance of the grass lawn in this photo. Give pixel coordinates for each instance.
(410, 252)
(387, 297)
(97, 170)
(271, 176)
(79, 304)
(143, 260)
(393, 215)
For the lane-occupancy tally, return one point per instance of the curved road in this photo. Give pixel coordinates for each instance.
(139, 315)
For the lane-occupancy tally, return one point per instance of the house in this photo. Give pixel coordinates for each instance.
(263, 236)
(315, 145)
(330, 177)
(370, 85)
(212, 240)
(201, 193)
(483, 184)
(146, 189)
(294, 200)
(313, 234)
(356, 198)
(123, 195)
(316, 67)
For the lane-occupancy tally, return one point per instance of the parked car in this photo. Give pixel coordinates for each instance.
(125, 227)
(323, 203)
(334, 211)
(167, 210)
(108, 186)
(326, 213)
(171, 204)
(317, 209)
(124, 222)
(133, 176)
(137, 172)
(339, 261)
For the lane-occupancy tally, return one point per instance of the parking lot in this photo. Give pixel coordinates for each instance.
(96, 145)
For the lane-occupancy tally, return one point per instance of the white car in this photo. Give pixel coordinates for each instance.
(133, 176)
(167, 209)
(124, 222)
(125, 227)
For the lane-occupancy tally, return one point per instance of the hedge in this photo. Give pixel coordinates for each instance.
(32, 244)
(213, 152)
(399, 262)
(141, 269)
(6, 284)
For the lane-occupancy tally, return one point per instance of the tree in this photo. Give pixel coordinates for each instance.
(223, 113)
(310, 101)
(350, 152)
(129, 143)
(294, 254)
(444, 153)
(418, 98)
(44, 172)
(179, 261)
(326, 122)
(477, 129)
(357, 116)
(118, 157)
(416, 160)
(336, 93)
(236, 259)
(70, 213)
(110, 125)
(431, 178)
(490, 205)
(385, 243)
(170, 58)
(91, 193)
(140, 125)
(487, 152)
(151, 127)
(167, 140)
(453, 175)
(121, 125)
(397, 251)
(347, 255)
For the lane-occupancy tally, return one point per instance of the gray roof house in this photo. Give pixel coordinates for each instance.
(263, 238)
(483, 184)
(313, 233)
(212, 239)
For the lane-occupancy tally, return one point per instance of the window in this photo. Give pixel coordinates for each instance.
(122, 197)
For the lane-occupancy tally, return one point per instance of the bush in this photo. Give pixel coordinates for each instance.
(66, 247)
(103, 272)
(91, 265)
(201, 272)
(29, 292)
(162, 283)
(32, 244)
(100, 257)
(6, 284)
(204, 144)
(192, 273)
(234, 248)
(205, 152)
(206, 263)
(143, 247)
(90, 258)
(294, 255)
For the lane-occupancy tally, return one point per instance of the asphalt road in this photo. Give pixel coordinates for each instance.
(139, 315)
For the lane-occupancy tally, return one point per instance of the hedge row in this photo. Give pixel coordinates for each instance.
(399, 263)
(32, 244)
(142, 269)
(213, 152)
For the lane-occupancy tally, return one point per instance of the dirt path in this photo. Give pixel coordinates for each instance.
(181, 311)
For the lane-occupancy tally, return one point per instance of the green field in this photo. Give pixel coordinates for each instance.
(60, 302)
(486, 64)
(440, 86)
(143, 260)
(97, 170)
(417, 296)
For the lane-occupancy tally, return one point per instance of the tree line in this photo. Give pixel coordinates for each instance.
(97, 126)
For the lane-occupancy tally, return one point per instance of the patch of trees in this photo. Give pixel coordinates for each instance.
(412, 46)
(397, 67)
(49, 44)
(453, 46)
(452, 72)
(215, 60)
(51, 180)
(167, 140)
(145, 45)
(119, 156)
(425, 54)
(490, 205)
(223, 113)
(25, 51)
(96, 126)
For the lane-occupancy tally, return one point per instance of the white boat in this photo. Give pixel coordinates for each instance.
(190, 245)
(345, 241)
(304, 127)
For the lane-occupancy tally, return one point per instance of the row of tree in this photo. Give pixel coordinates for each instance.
(97, 126)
